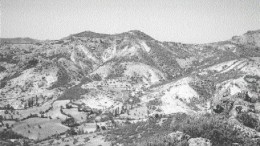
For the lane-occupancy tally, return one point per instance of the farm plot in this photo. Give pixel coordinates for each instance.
(78, 116)
(97, 101)
(136, 113)
(86, 140)
(39, 128)
(31, 111)
(55, 112)
(88, 127)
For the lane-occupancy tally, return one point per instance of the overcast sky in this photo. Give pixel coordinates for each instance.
(187, 21)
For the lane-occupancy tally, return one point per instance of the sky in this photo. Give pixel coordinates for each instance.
(187, 21)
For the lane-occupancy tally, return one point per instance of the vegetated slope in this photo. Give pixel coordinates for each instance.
(89, 78)
(18, 40)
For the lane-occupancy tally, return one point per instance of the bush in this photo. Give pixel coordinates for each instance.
(2, 68)
(248, 120)
(72, 131)
(96, 77)
(32, 63)
(163, 140)
(213, 127)
(63, 78)
(148, 130)
(9, 134)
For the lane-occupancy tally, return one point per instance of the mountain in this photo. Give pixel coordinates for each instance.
(18, 40)
(88, 80)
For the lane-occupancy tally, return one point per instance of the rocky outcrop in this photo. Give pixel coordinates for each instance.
(199, 142)
(176, 137)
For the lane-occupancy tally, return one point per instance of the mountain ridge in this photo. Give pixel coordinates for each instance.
(94, 34)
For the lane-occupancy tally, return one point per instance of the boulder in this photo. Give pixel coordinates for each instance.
(176, 137)
(199, 142)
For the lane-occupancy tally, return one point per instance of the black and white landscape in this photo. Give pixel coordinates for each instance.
(129, 88)
(123, 83)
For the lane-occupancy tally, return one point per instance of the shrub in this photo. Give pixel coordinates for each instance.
(32, 63)
(96, 77)
(86, 139)
(75, 141)
(72, 131)
(248, 120)
(9, 134)
(2, 68)
(148, 130)
(63, 78)
(153, 103)
(163, 140)
(213, 127)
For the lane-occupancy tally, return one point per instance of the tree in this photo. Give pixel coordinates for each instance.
(7, 125)
(1, 119)
(103, 127)
(30, 102)
(157, 116)
(37, 101)
(8, 106)
(68, 106)
(97, 127)
(25, 142)
(96, 77)
(72, 131)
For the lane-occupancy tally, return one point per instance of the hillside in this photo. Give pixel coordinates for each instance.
(18, 40)
(98, 85)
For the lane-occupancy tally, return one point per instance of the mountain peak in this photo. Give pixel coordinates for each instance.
(88, 33)
(250, 38)
(132, 33)
(136, 31)
(139, 34)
